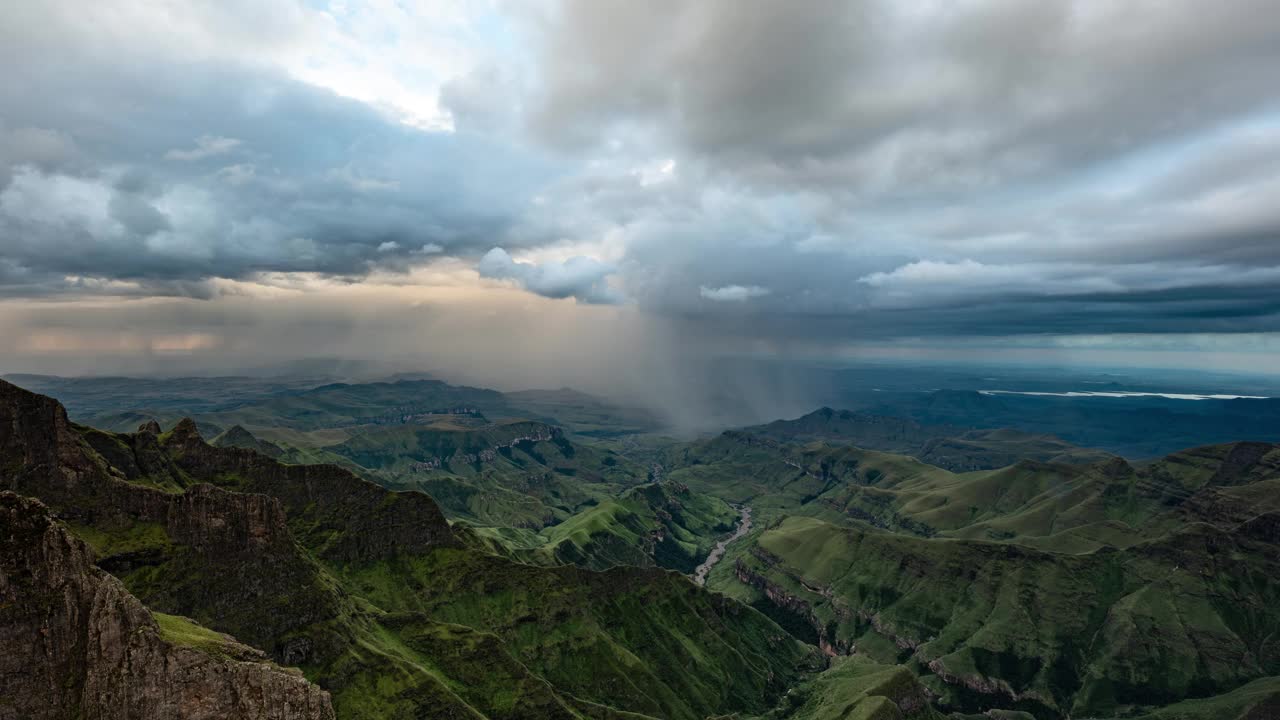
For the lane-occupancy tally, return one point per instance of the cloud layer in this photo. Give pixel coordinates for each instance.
(820, 172)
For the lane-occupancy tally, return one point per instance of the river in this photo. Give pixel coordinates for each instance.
(744, 527)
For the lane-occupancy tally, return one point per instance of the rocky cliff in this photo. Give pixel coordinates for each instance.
(77, 644)
(356, 518)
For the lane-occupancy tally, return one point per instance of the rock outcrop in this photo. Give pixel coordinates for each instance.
(77, 644)
(226, 552)
(360, 520)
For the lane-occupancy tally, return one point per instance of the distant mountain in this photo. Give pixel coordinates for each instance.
(990, 449)
(311, 403)
(88, 397)
(1135, 427)
(874, 432)
(584, 414)
(948, 446)
(237, 436)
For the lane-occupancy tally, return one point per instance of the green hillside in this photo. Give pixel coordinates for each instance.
(660, 524)
(1063, 508)
(509, 474)
(989, 624)
(1095, 590)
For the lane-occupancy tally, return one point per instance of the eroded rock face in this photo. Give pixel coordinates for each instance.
(232, 561)
(363, 521)
(77, 644)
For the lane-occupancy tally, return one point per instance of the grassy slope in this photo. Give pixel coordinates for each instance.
(1044, 586)
(488, 478)
(858, 688)
(1258, 700)
(663, 524)
(1172, 618)
(444, 629)
(625, 637)
(1035, 505)
(1063, 508)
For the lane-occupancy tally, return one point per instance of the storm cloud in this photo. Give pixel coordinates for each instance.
(818, 173)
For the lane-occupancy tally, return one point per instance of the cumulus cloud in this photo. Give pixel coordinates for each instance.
(733, 293)
(582, 278)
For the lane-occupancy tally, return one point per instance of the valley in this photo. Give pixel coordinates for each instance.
(717, 552)
(419, 549)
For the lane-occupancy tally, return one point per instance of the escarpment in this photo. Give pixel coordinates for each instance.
(345, 517)
(77, 644)
(196, 550)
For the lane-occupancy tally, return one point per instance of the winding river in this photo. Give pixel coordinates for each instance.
(744, 527)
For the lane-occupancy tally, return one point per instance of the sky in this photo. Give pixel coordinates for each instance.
(600, 192)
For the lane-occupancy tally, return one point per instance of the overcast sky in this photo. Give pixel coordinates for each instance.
(545, 188)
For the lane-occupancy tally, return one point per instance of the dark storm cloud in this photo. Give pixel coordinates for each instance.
(837, 169)
(969, 92)
(952, 168)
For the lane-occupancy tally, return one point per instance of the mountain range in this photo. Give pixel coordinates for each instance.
(414, 549)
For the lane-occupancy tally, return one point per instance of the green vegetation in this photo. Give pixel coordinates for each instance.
(1258, 700)
(1042, 632)
(1102, 589)
(1064, 583)
(132, 539)
(1061, 508)
(370, 594)
(185, 632)
(504, 474)
(661, 524)
(857, 688)
(625, 637)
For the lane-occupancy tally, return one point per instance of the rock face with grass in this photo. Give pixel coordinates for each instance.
(348, 517)
(77, 644)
